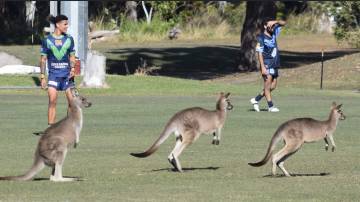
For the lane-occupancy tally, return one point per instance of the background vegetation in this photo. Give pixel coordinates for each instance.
(196, 19)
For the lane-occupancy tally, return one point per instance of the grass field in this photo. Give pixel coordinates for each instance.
(128, 117)
(119, 124)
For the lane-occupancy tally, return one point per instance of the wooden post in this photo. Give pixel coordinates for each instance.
(322, 69)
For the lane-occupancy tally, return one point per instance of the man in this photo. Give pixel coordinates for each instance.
(57, 50)
(269, 60)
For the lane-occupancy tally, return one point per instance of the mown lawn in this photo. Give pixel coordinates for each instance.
(122, 122)
(129, 116)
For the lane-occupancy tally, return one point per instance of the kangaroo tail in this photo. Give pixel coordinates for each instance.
(163, 136)
(275, 139)
(37, 167)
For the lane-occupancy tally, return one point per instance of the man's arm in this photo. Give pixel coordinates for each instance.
(262, 64)
(72, 65)
(43, 59)
(279, 22)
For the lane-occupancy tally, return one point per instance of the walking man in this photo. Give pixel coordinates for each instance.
(269, 60)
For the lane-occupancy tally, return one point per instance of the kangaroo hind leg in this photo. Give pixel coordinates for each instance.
(57, 175)
(180, 145)
(282, 155)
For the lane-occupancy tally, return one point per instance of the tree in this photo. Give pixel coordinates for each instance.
(131, 13)
(347, 17)
(147, 13)
(256, 11)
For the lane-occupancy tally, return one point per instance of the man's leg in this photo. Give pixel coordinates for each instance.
(69, 97)
(267, 87)
(262, 94)
(273, 84)
(52, 93)
(270, 85)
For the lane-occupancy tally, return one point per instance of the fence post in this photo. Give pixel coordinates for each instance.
(322, 69)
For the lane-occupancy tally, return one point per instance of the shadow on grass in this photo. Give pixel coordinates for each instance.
(36, 80)
(200, 62)
(299, 175)
(185, 169)
(262, 110)
(48, 179)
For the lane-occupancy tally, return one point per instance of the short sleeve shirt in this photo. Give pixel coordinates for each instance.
(268, 45)
(58, 50)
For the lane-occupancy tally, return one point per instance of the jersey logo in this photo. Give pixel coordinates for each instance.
(59, 54)
(58, 42)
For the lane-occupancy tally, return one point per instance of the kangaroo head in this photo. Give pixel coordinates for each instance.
(224, 102)
(79, 100)
(339, 114)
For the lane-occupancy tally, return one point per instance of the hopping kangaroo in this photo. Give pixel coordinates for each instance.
(188, 125)
(55, 140)
(298, 131)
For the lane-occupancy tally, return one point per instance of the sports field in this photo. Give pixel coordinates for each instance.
(122, 122)
(129, 116)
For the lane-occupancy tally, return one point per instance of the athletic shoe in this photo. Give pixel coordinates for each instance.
(273, 109)
(255, 104)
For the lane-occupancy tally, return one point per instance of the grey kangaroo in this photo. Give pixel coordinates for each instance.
(55, 141)
(298, 131)
(188, 125)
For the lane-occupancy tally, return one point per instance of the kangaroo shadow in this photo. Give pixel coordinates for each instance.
(185, 169)
(299, 175)
(48, 179)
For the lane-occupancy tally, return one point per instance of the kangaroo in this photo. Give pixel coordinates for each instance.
(298, 131)
(55, 140)
(188, 125)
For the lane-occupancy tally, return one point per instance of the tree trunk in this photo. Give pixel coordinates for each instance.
(256, 11)
(148, 14)
(131, 13)
(222, 5)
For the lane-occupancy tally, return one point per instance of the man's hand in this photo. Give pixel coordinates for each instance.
(72, 73)
(43, 83)
(263, 71)
(271, 23)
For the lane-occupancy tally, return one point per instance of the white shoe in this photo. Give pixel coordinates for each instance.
(255, 104)
(273, 109)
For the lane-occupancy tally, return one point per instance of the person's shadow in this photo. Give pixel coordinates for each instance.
(185, 169)
(299, 175)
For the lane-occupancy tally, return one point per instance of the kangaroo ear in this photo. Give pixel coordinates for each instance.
(227, 95)
(74, 92)
(338, 107)
(333, 106)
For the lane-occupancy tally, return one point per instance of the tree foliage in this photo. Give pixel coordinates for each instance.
(347, 17)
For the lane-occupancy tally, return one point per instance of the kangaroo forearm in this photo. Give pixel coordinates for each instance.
(326, 144)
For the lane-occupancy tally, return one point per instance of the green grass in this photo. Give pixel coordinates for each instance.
(121, 123)
(128, 117)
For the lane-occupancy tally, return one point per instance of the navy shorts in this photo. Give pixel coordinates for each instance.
(60, 83)
(272, 67)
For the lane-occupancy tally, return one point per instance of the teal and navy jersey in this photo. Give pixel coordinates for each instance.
(58, 50)
(268, 46)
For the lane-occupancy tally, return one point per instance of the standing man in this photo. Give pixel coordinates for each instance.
(57, 50)
(269, 60)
